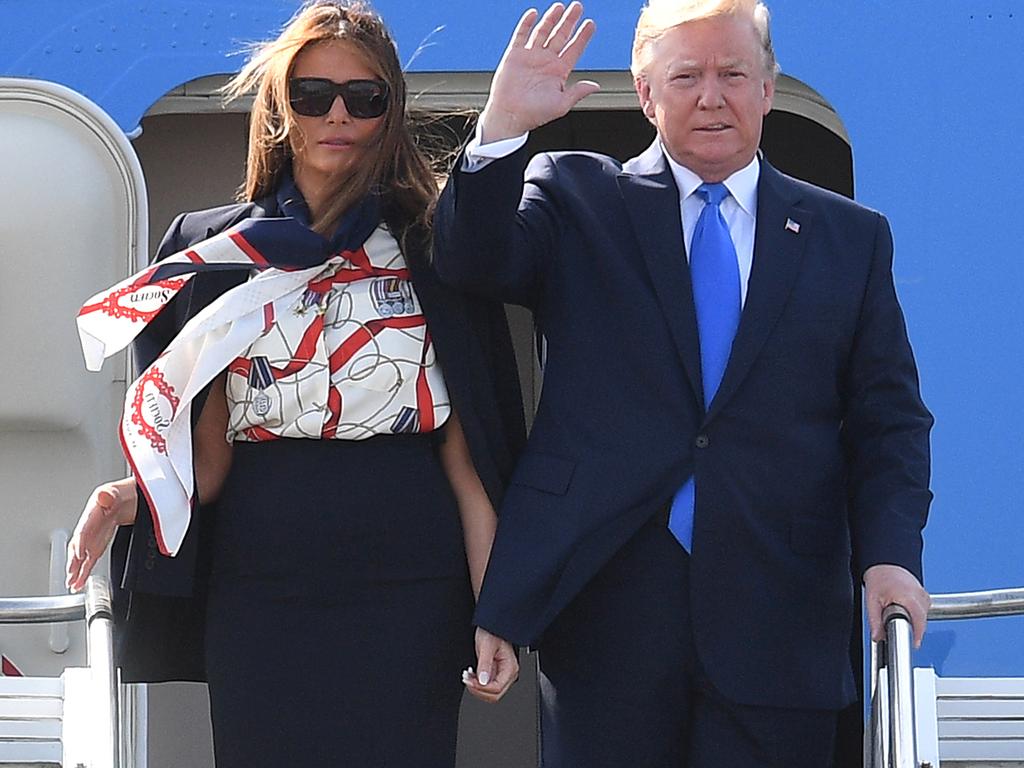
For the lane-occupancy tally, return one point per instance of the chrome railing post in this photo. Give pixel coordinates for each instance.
(876, 735)
(99, 617)
(133, 718)
(103, 728)
(899, 637)
(891, 739)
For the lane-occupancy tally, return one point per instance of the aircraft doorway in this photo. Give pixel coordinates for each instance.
(192, 151)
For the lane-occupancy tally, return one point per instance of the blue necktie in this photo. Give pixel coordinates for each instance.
(715, 276)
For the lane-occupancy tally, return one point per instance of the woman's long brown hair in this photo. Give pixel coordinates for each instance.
(395, 166)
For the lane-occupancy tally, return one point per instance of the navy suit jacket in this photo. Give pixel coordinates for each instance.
(160, 601)
(814, 450)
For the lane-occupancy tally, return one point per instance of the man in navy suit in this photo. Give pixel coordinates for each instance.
(730, 423)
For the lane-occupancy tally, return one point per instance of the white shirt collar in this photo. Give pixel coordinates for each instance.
(742, 185)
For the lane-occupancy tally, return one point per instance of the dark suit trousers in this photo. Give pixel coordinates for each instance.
(621, 684)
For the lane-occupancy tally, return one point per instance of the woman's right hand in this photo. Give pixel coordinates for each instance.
(497, 667)
(110, 505)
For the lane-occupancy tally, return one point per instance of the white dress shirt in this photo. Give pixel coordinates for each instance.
(478, 155)
(739, 209)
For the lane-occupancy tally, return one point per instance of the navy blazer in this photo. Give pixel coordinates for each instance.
(159, 602)
(814, 451)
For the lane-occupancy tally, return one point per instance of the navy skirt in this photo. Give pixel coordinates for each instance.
(339, 614)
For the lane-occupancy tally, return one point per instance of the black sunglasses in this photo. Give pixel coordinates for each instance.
(314, 96)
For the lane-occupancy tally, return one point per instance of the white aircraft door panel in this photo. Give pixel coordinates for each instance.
(73, 216)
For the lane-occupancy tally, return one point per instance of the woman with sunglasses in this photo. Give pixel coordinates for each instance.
(327, 553)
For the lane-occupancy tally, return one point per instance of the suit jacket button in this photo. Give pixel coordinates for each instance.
(702, 441)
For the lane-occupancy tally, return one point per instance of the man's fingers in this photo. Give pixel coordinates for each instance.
(571, 53)
(542, 31)
(579, 92)
(919, 616)
(875, 620)
(917, 611)
(887, 584)
(920, 623)
(523, 29)
(564, 28)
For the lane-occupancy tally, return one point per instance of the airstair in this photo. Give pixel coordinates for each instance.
(83, 719)
(922, 720)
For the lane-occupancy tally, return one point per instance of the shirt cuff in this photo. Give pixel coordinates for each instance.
(478, 155)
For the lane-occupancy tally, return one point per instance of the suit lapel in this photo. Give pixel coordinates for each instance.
(652, 201)
(443, 311)
(448, 324)
(778, 253)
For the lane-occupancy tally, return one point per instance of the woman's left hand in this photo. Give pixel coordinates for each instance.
(497, 667)
(110, 505)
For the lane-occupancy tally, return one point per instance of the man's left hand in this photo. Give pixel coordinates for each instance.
(888, 584)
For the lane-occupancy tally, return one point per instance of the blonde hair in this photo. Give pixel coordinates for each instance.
(659, 16)
(395, 167)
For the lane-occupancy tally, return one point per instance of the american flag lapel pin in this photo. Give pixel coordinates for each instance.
(793, 226)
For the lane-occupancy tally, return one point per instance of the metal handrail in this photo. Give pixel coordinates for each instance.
(893, 718)
(42, 610)
(977, 605)
(95, 607)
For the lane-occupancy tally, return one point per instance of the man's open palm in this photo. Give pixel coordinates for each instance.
(529, 86)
